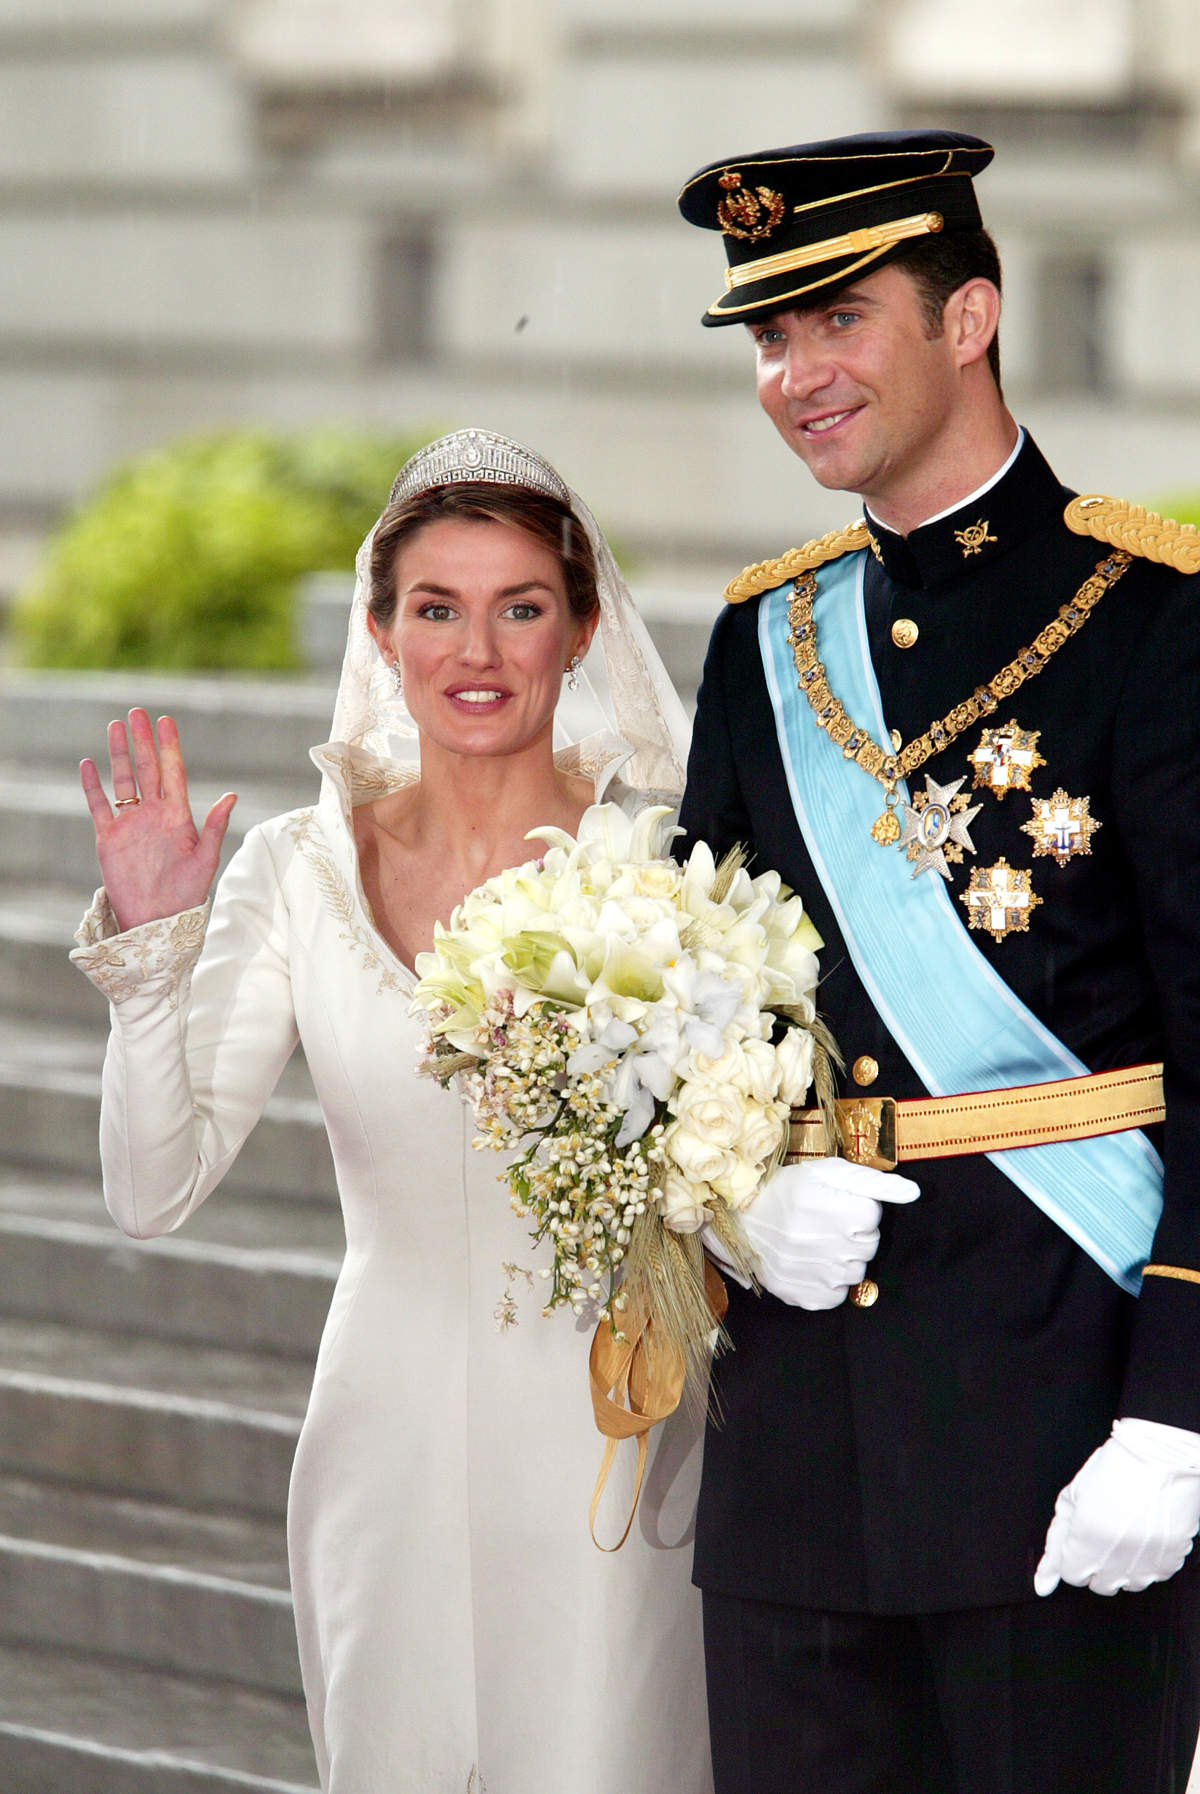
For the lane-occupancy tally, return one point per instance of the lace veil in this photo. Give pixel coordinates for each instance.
(625, 710)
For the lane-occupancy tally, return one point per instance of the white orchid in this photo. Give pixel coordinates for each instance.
(708, 1001)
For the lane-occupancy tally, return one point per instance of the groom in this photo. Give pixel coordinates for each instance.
(966, 729)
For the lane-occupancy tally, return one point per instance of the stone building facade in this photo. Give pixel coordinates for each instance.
(462, 210)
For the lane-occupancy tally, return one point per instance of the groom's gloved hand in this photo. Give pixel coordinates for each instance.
(813, 1228)
(1130, 1516)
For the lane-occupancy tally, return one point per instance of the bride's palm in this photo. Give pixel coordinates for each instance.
(153, 860)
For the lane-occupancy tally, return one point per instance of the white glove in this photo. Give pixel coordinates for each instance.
(813, 1227)
(1130, 1516)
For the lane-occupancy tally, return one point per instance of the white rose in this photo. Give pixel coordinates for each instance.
(658, 878)
(682, 1204)
(629, 914)
(762, 1065)
(728, 1068)
(739, 1183)
(711, 1110)
(794, 1057)
(761, 1133)
(698, 1159)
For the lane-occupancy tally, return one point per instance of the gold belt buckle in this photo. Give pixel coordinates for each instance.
(867, 1125)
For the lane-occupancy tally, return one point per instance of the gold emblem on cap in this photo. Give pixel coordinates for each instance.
(904, 632)
(750, 213)
(999, 900)
(1061, 826)
(972, 539)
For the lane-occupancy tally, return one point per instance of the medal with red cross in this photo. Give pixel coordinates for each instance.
(999, 900)
(1005, 758)
(1061, 826)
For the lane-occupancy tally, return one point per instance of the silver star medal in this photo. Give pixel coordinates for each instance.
(936, 827)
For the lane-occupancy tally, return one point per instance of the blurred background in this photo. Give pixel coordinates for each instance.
(413, 214)
(251, 253)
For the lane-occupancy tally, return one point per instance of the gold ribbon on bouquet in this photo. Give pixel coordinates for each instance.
(638, 1380)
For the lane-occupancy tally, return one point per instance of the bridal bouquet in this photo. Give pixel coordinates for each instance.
(635, 1031)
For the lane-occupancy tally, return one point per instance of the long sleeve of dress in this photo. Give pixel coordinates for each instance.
(202, 1025)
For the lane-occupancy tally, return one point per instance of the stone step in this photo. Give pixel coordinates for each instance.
(178, 1422)
(199, 1595)
(46, 832)
(80, 1724)
(37, 926)
(62, 1259)
(50, 1112)
(37, 931)
(255, 1223)
(252, 730)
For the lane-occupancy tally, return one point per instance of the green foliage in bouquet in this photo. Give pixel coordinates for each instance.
(188, 557)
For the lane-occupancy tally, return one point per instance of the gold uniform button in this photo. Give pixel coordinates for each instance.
(904, 632)
(865, 1070)
(865, 1294)
(897, 741)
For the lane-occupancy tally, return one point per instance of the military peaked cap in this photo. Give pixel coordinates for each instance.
(812, 216)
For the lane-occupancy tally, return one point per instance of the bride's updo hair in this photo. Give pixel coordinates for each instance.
(547, 519)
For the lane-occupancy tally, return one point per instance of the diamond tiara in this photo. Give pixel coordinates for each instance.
(476, 455)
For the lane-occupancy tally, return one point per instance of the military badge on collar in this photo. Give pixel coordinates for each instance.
(972, 539)
(1061, 826)
(1005, 758)
(936, 827)
(999, 900)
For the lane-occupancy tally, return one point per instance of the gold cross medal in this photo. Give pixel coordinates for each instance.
(999, 900)
(1061, 826)
(936, 827)
(1005, 758)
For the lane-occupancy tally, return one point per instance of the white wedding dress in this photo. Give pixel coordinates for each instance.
(459, 1631)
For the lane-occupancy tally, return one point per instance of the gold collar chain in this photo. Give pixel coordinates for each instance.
(855, 742)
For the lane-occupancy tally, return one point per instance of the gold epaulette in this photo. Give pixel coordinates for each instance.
(763, 576)
(1135, 529)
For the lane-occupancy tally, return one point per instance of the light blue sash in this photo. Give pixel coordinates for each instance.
(952, 1015)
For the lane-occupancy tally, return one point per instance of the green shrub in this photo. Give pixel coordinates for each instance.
(188, 557)
(1184, 508)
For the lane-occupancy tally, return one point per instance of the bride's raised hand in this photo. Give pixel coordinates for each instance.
(152, 859)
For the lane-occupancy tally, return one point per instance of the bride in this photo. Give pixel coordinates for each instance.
(458, 1629)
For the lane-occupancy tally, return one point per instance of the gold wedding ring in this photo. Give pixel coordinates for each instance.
(119, 803)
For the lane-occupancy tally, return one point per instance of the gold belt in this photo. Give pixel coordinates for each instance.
(883, 1132)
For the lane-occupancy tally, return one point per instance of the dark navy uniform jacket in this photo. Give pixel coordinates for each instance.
(906, 1457)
